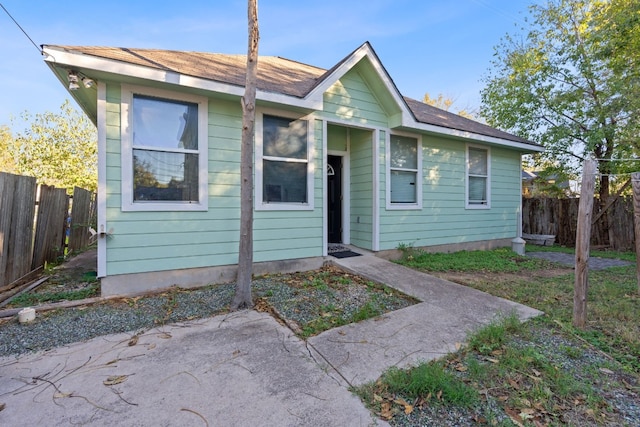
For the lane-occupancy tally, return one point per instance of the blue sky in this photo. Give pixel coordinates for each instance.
(434, 46)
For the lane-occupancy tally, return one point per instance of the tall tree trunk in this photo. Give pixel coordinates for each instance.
(242, 298)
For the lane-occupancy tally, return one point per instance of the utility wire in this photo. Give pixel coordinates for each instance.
(21, 29)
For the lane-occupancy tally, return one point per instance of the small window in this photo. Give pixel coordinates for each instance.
(404, 172)
(164, 153)
(478, 177)
(284, 155)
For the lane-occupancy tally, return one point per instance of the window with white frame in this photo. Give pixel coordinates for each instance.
(164, 151)
(283, 152)
(478, 177)
(404, 171)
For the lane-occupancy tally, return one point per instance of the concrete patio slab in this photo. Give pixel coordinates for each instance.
(243, 369)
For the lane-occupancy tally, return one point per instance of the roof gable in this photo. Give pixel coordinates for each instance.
(360, 93)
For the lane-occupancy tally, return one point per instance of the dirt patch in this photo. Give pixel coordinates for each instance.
(73, 280)
(79, 272)
(480, 277)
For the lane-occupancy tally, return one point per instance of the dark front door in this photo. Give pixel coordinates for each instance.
(334, 197)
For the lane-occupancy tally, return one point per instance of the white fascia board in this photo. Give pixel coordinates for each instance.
(473, 136)
(60, 58)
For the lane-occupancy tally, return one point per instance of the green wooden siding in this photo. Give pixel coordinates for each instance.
(337, 138)
(157, 241)
(444, 219)
(361, 193)
(350, 99)
(293, 234)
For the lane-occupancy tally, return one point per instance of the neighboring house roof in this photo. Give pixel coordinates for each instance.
(277, 76)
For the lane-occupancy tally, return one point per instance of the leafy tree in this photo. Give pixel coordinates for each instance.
(142, 174)
(7, 161)
(565, 83)
(618, 34)
(445, 104)
(58, 149)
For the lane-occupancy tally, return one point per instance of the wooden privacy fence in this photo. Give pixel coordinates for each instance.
(35, 223)
(613, 228)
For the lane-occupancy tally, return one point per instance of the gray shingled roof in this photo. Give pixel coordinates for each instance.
(425, 113)
(275, 74)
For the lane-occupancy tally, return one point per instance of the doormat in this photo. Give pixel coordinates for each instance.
(335, 247)
(344, 254)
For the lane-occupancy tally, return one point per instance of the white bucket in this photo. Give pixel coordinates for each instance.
(26, 315)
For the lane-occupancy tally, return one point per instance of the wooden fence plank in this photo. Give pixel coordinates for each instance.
(50, 225)
(7, 192)
(21, 246)
(559, 217)
(18, 208)
(80, 219)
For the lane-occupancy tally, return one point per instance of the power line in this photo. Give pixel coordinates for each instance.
(21, 29)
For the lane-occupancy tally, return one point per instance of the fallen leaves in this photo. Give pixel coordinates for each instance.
(61, 395)
(408, 408)
(391, 405)
(115, 379)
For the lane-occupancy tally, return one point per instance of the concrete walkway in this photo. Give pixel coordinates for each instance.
(243, 369)
(428, 330)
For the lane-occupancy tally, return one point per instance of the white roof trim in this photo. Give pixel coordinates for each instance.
(62, 58)
(472, 136)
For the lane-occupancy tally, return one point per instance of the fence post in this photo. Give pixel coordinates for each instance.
(583, 236)
(635, 183)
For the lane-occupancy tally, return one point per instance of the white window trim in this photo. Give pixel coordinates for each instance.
(127, 93)
(419, 173)
(260, 205)
(466, 178)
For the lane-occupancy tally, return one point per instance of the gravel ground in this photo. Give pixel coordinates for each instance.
(299, 298)
(618, 389)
